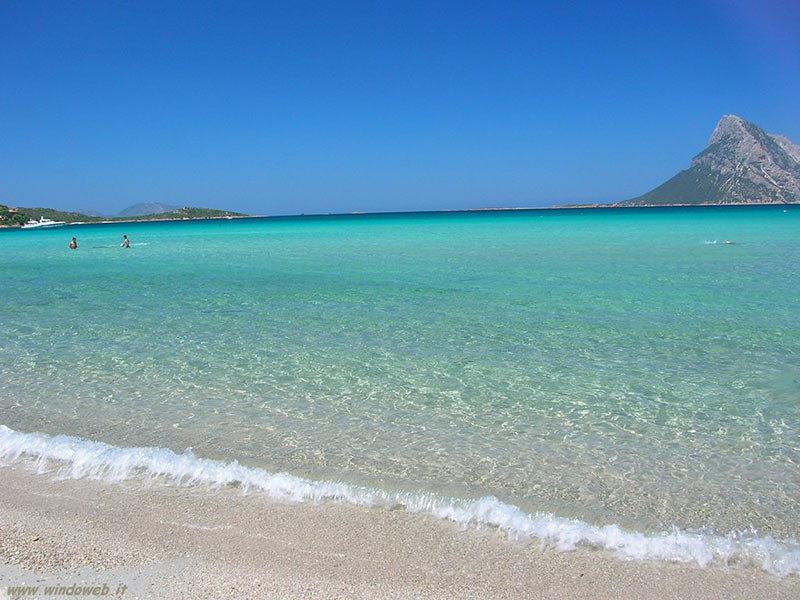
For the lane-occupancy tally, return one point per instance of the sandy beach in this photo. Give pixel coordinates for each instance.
(169, 542)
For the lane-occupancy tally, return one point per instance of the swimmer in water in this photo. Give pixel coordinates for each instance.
(73, 244)
(125, 243)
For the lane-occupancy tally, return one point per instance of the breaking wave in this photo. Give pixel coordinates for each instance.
(75, 458)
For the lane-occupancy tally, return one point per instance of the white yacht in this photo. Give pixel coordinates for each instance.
(43, 223)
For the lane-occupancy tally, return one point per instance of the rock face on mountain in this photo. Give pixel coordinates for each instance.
(742, 164)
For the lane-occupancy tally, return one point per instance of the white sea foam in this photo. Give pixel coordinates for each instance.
(71, 457)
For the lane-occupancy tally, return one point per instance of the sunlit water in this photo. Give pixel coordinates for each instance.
(616, 366)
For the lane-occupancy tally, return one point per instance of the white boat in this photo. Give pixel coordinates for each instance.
(43, 223)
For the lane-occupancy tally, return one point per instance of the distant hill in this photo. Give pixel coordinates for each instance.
(187, 212)
(146, 208)
(23, 214)
(9, 217)
(742, 164)
(14, 217)
(90, 212)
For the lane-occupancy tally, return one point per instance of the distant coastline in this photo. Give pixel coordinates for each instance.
(172, 218)
(620, 205)
(559, 207)
(157, 220)
(11, 217)
(149, 220)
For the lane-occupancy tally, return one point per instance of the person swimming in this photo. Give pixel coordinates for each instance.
(73, 244)
(125, 242)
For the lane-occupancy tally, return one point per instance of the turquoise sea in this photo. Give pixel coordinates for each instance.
(605, 372)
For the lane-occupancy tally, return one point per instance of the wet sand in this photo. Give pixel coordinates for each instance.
(169, 542)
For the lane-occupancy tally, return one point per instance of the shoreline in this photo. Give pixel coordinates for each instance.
(443, 210)
(71, 457)
(129, 221)
(164, 541)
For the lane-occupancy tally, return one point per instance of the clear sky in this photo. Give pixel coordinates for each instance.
(303, 107)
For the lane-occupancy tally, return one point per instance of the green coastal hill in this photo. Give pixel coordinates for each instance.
(16, 217)
(742, 164)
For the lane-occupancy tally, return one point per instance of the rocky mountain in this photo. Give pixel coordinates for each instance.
(742, 164)
(146, 208)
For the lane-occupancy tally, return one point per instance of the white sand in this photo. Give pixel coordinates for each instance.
(168, 542)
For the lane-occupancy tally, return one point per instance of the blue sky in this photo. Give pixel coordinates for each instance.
(306, 107)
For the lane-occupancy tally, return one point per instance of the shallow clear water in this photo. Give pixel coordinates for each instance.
(618, 366)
